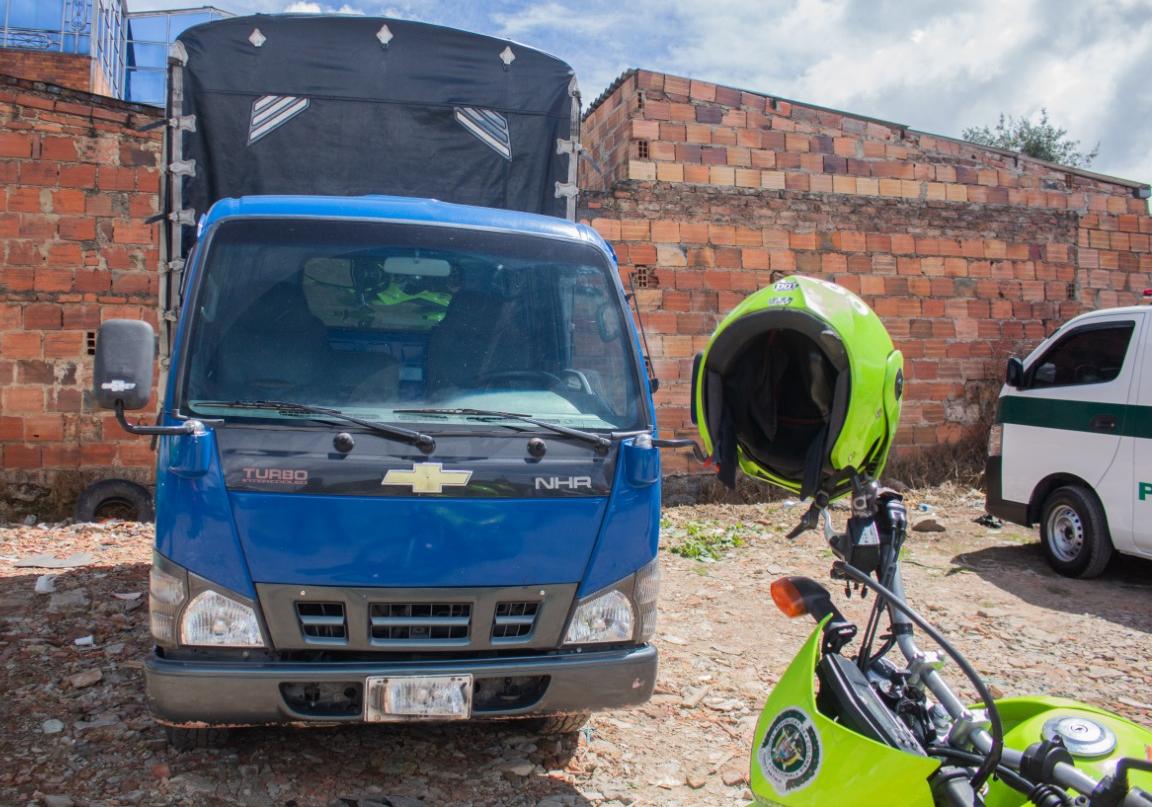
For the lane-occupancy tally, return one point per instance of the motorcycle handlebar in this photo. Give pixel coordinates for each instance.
(1064, 775)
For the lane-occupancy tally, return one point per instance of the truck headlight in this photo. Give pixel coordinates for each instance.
(215, 619)
(646, 592)
(166, 593)
(606, 617)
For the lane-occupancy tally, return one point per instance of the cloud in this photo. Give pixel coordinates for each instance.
(554, 15)
(316, 8)
(935, 65)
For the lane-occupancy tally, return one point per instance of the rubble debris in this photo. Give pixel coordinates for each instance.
(72, 600)
(989, 520)
(45, 584)
(45, 561)
(85, 679)
(722, 647)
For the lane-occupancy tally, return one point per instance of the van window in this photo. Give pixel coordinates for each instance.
(1093, 354)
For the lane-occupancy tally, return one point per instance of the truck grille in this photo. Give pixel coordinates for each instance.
(416, 621)
(322, 622)
(420, 622)
(514, 620)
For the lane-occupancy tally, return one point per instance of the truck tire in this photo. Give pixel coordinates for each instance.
(114, 498)
(558, 724)
(186, 739)
(1074, 532)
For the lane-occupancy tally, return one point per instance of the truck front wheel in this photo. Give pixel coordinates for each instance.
(1074, 532)
(560, 724)
(186, 739)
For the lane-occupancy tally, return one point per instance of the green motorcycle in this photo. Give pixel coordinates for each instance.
(800, 386)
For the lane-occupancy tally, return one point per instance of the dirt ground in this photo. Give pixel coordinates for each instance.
(77, 731)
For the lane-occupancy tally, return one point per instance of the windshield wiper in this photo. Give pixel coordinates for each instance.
(601, 442)
(422, 441)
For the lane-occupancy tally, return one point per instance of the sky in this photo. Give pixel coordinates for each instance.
(934, 65)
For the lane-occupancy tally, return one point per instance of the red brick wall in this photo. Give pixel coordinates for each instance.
(70, 70)
(968, 254)
(76, 184)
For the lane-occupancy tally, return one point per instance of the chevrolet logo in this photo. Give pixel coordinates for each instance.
(427, 477)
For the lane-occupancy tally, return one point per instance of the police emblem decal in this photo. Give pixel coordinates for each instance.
(790, 754)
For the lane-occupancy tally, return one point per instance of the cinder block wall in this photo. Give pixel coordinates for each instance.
(968, 254)
(77, 182)
(706, 193)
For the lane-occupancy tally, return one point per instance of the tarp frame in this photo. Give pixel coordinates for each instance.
(464, 118)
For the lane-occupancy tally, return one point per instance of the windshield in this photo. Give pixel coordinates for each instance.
(374, 318)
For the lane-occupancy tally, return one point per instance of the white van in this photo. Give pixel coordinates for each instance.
(1072, 445)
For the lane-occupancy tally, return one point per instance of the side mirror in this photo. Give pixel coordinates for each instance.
(1014, 375)
(125, 351)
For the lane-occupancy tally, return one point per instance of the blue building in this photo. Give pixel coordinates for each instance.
(149, 35)
(94, 45)
(90, 28)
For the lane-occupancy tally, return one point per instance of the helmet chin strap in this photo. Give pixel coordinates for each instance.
(864, 490)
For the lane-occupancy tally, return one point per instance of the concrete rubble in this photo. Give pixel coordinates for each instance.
(77, 728)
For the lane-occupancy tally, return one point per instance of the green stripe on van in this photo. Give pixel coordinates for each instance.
(1132, 421)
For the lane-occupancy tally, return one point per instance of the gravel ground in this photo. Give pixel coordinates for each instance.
(77, 731)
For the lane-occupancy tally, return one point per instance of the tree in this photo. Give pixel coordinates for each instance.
(1042, 140)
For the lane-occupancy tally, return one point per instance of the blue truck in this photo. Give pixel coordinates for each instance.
(407, 462)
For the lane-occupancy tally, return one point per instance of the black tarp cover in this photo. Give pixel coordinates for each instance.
(323, 106)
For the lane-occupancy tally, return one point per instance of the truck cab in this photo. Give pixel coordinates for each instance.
(1071, 448)
(407, 461)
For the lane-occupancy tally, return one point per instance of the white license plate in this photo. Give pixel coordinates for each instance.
(416, 697)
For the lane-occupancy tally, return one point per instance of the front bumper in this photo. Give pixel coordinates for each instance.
(994, 501)
(253, 693)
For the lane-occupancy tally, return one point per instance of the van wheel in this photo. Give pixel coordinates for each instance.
(1074, 532)
(114, 499)
(185, 739)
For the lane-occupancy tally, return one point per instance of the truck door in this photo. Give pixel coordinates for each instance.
(1068, 414)
(1136, 445)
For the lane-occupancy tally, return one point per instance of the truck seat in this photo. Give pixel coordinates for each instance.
(479, 336)
(277, 348)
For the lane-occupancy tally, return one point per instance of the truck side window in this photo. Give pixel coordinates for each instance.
(1093, 354)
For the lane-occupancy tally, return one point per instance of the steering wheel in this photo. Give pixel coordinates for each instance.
(490, 380)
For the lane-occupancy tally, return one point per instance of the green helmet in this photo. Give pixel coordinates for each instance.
(800, 386)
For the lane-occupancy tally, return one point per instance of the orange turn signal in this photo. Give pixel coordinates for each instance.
(788, 598)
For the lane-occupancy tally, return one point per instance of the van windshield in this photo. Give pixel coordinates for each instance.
(374, 319)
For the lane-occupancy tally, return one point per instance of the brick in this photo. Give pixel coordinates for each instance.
(43, 316)
(16, 144)
(64, 344)
(53, 280)
(133, 232)
(24, 399)
(77, 228)
(609, 229)
(20, 345)
(21, 456)
(666, 231)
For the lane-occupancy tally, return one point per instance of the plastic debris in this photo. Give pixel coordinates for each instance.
(46, 584)
(84, 641)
